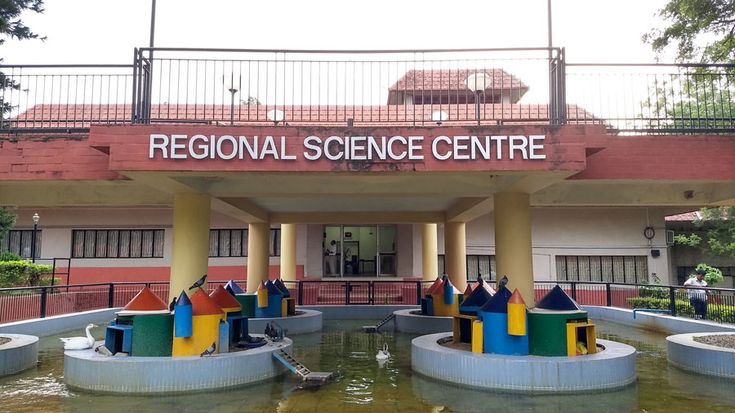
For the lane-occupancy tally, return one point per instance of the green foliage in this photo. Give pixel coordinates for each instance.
(10, 23)
(9, 256)
(21, 273)
(653, 291)
(688, 240)
(718, 227)
(684, 309)
(712, 275)
(697, 28)
(7, 220)
(12, 27)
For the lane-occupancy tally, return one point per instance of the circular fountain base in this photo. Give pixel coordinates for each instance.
(18, 354)
(413, 322)
(687, 354)
(611, 368)
(305, 321)
(88, 370)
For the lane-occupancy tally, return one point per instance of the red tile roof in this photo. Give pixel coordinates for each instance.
(687, 216)
(146, 300)
(79, 116)
(454, 80)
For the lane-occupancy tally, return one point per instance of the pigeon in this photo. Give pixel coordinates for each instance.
(210, 350)
(103, 350)
(199, 282)
(503, 281)
(172, 305)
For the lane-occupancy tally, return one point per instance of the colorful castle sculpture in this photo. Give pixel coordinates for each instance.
(500, 323)
(442, 299)
(147, 327)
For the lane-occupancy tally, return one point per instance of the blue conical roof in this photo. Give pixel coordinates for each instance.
(498, 303)
(272, 289)
(477, 298)
(182, 300)
(281, 286)
(233, 288)
(558, 300)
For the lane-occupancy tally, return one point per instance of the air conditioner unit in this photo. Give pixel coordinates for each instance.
(669, 237)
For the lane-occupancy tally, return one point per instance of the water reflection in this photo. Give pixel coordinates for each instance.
(465, 400)
(362, 384)
(713, 388)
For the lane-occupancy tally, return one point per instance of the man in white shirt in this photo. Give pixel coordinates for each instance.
(697, 296)
(331, 259)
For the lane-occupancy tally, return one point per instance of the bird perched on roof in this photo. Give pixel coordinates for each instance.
(210, 350)
(199, 282)
(172, 305)
(503, 281)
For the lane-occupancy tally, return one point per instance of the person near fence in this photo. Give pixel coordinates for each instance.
(331, 258)
(697, 296)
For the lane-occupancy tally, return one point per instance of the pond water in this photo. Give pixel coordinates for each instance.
(363, 385)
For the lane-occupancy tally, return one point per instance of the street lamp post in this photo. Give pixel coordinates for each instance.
(36, 218)
(232, 87)
(477, 83)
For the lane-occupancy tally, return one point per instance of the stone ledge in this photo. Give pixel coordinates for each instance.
(20, 353)
(612, 368)
(685, 353)
(87, 370)
(408, 322)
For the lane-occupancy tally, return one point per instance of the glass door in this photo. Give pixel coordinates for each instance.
(359, 250)
(386, 256)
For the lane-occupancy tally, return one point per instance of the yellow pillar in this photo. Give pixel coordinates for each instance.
(288, 252)
(430, 256)
(513, 254)
(455, 254)
(190, 248)
(258, 253)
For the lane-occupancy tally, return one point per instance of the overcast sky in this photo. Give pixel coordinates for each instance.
(106, 31)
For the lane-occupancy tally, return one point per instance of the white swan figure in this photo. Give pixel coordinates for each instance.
(383, 354)
(79, 343)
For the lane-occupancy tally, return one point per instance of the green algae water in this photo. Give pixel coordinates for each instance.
(362, 384)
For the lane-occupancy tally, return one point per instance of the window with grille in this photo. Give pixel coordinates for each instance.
(234, 242)
(117, 243)
(476, 265)
(20, 241)
(628, 269)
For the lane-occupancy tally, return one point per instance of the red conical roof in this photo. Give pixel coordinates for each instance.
(516, 298)
(437, 283)
(224, 299)
(202, 304)
(145, 300)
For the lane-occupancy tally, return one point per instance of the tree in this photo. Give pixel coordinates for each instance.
(7, 221)
(12, 27)
(703, 29)
(718, 228)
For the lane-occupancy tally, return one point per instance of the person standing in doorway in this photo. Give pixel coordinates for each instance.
(697, 296)
(331, 266)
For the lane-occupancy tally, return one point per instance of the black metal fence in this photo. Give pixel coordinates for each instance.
(368, 88)
(33, 302)
(64, 97)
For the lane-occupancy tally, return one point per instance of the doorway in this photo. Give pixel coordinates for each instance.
(359, 250)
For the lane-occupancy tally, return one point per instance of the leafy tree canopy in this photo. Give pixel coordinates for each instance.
(7, 220)
(703, 29)
(718, 225)
(10, 24)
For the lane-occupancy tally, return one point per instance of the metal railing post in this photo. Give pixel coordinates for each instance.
(418, 292)
(44, 293)
(53, 271)
(672, 300)
(608, 294)
(111, 296)
(574, 291)
(301, 292)
(348, 288)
